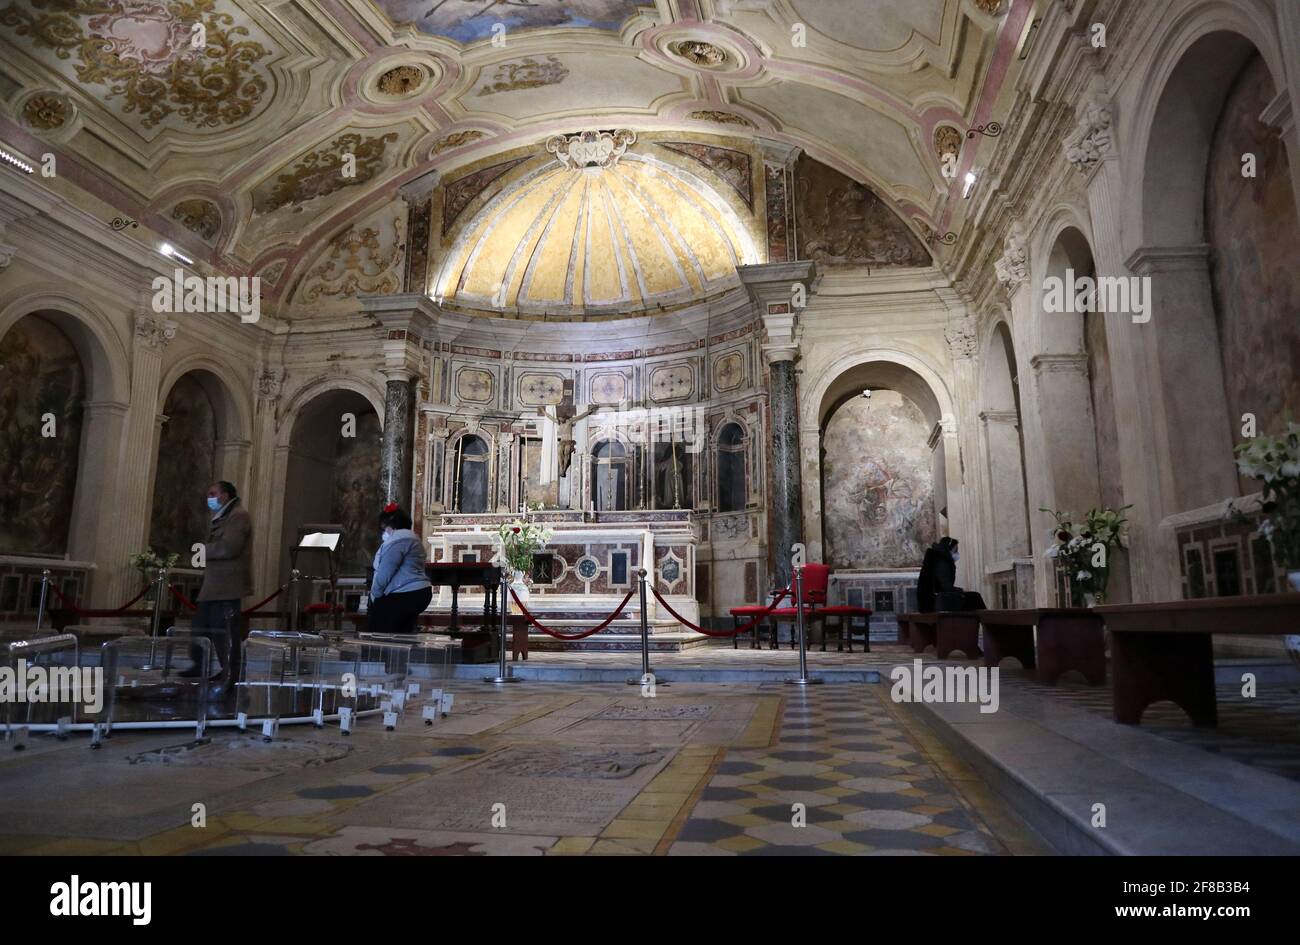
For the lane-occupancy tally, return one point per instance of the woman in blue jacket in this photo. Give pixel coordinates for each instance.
(400, 590)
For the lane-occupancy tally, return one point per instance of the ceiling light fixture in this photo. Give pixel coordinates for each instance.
(171, 252)
(970, 185)
(14, 161)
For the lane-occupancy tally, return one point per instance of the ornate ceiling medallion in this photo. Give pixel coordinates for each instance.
(401, 81)
(46, 111)
(700, 53)
(591, 148)
(142, 54)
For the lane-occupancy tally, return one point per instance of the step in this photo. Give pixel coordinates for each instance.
(1053, 762)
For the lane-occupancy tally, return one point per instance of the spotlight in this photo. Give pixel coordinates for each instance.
(171, 252)
(866, 393)
(970, 185)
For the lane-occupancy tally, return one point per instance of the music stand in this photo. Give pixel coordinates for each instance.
(316, 539)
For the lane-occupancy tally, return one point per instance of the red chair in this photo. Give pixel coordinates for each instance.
(816, 580)
(748, 612)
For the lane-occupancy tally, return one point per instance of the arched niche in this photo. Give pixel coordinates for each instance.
(883, 469)
(333, 475)
(471, 474)
(732, 447)
(1002, 432)
(43, 390)
(199, 425)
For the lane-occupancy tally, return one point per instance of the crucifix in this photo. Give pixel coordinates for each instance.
(558, 446)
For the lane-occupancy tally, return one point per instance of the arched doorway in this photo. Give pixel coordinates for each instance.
(333, 476)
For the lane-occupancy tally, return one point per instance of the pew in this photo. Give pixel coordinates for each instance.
(1067, 638)
(1164, 650)
(944, 630)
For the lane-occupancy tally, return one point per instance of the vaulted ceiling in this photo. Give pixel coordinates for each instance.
(224, 124)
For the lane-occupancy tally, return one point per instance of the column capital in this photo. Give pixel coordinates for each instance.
(1010, 417)
(7, 254)
(153, 331)
(1092, 140)
(1149, 259)
(270, 382)
(1060, 363)
(773, 283)
(962, 337)
(1013, 267)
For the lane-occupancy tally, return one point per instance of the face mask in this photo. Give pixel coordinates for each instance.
(956, 557)
(214, 503)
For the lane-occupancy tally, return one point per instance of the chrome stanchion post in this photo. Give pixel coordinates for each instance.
(803, 679)
(40, 607)
(161, 581)
(294, 575)
(503, 672)
(648, 678)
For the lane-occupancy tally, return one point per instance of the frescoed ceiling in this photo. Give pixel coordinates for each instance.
(262, 135)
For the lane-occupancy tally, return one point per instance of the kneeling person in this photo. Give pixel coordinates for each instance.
(400, 590)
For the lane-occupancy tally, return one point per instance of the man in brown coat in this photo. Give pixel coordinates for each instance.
(227, 575)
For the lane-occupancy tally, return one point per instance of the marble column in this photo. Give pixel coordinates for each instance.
(964, 481)
(92, 533)
(785, 517)
(263, 496)
(779, 292)
(396, 456)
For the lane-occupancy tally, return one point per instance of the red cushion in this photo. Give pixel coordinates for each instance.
(747, 611)
(788, 612)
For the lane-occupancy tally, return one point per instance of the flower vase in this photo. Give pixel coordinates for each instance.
(1292, 640)
(519, 588)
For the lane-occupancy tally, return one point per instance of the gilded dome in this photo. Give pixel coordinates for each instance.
(630, 236)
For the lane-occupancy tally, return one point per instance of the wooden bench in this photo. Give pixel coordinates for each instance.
(944, 630)
(1164, 650)
(1067, 638)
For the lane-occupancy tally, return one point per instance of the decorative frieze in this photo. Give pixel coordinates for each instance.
(1091, 140)
(153, 332)
(962, 337)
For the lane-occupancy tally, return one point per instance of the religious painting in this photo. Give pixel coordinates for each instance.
(878, 484)
(840, 221)
(356, 494)
(1253, 232)
(468, 21)
(186, 467)
(42, 389)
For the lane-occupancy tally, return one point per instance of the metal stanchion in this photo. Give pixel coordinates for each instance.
(40, 608)
(161, 581)
(294, 575)
(803, 679)
(503, 671)
(648, 676)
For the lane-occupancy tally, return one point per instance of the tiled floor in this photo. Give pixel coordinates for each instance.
(537, 768)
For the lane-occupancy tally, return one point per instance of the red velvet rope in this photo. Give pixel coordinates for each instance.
(743, 628)
(260, 604)
(98, 613)
(186, 602)
(576, 636)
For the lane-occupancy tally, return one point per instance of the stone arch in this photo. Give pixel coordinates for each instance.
(327, 477)
(105, 366)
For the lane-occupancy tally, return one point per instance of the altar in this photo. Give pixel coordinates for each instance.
(586, 570)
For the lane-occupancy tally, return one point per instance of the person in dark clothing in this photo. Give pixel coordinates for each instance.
(938, 573)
